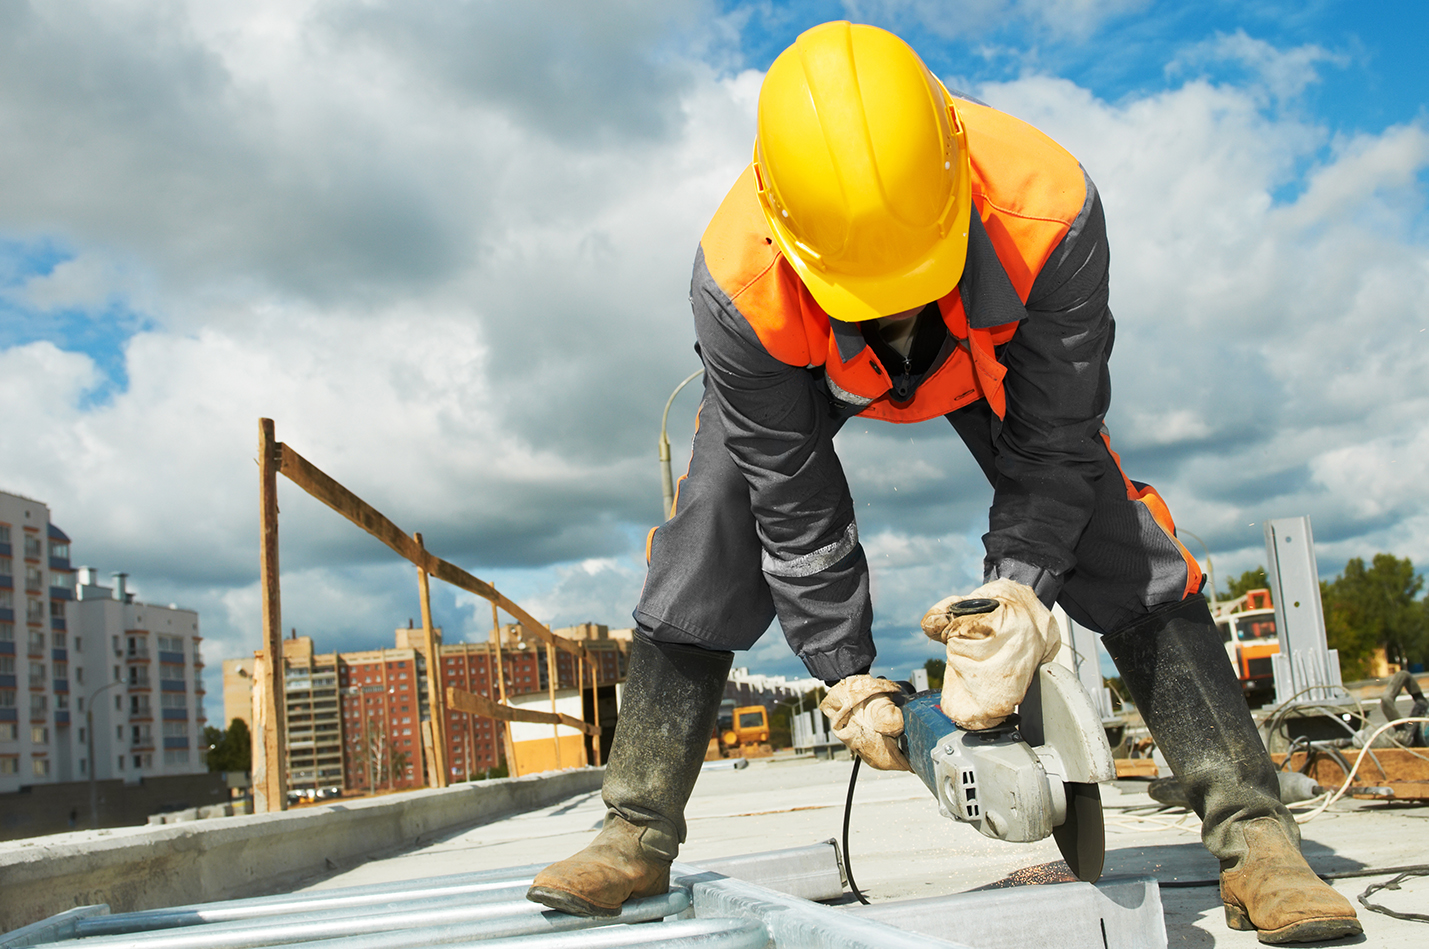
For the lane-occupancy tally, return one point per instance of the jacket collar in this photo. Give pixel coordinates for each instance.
(989, 298)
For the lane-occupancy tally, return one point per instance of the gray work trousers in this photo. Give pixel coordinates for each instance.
(706, 585)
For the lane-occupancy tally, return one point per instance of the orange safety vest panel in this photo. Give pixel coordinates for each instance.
(1027, 190)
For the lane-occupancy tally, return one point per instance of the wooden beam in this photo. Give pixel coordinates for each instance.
(435, 706)
(273, 796)
(322, 486)
(473, 704)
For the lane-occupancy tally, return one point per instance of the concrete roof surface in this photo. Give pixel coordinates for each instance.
(902, 848)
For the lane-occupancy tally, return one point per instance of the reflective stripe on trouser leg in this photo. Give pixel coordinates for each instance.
(707, 585)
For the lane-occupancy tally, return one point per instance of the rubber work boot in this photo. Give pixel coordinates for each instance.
(672, 696)
(1177, 671)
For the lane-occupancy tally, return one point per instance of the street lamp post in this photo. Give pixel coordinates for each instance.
(1210, 569)
(667, 483)
(89, 737)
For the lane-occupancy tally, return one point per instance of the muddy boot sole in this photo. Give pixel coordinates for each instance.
(1302, 930)
(565, 902)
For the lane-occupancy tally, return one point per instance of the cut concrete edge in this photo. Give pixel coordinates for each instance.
(232, 857)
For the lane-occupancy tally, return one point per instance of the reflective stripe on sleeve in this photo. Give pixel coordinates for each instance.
(806, 565)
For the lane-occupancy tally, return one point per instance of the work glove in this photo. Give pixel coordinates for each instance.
(992, 656)
(865, 719)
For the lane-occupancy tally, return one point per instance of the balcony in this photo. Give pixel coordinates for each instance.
(173, 658)
(176, 714)
(60, 563)
(58, 623)
(61, 685)
(172, 685)
(61, 716)
(61, 593)
(170, 743)
(7, 682)
(59, 655)
(37, 682)
(137, 654)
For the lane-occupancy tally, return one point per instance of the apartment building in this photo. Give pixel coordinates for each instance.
(73, 652)
(355, 718)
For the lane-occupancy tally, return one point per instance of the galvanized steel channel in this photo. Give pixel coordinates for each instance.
(706, 907)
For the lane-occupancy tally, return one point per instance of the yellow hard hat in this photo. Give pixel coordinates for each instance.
(862, 170)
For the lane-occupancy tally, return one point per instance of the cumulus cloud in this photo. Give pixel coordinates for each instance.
(458, 283)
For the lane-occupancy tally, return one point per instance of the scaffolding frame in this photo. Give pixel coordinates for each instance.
(269, 754)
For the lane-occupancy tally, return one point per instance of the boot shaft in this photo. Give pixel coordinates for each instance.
(671, 703)
(1175, 666)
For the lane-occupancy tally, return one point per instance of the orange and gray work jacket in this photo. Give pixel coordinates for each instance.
(1026, 331)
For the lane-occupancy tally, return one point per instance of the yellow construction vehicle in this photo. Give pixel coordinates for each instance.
(740, 732)
(1247, 626)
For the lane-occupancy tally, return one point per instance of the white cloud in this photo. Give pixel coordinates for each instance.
(1280, 74)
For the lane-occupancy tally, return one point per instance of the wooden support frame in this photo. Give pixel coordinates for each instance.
(270, 779)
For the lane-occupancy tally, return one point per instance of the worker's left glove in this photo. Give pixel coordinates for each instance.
(992, 656)
(865, 719)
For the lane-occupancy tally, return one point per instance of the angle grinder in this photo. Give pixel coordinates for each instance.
(1033, 776)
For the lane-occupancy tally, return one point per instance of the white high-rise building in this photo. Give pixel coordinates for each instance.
(90, 680)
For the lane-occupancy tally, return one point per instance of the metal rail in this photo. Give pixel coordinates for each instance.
(707, 907)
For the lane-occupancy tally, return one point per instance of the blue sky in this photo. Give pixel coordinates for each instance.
(447, 247)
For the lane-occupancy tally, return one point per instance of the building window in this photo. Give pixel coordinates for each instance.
(61, 670)
(7, 631)
(41, 766)
(120, 762)
(34, 579)
(39, 735)
(4, 533)
(34, 609)
(7, 665)
(9, 731)
(37, 643)
(38, 705)
(60, 549)
(7, 698)
(176, 756)
(83, 764)
(9, 765)
(32, 548)
(79, 678)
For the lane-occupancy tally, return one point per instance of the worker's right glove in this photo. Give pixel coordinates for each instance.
(992, 656)
(865, 719)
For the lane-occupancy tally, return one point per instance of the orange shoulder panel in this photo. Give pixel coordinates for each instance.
(744, 262)
(1028, 189)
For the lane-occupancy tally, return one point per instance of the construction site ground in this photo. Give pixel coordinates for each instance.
(902, 848)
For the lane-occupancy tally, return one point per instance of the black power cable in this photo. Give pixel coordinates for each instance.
(848, 809)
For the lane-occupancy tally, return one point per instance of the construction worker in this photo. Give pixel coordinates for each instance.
(897, 253)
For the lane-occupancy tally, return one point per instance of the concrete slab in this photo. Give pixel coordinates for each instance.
(903, 849)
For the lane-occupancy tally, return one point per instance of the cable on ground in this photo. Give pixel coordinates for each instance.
(848, 809)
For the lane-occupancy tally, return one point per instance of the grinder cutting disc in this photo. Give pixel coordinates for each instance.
(1082, 836)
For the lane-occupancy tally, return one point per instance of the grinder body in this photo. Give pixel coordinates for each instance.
(1032, 777)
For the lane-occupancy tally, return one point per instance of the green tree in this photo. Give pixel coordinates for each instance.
(229, 750)
(1374, 606)
(936, 669)
(1250, 580)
